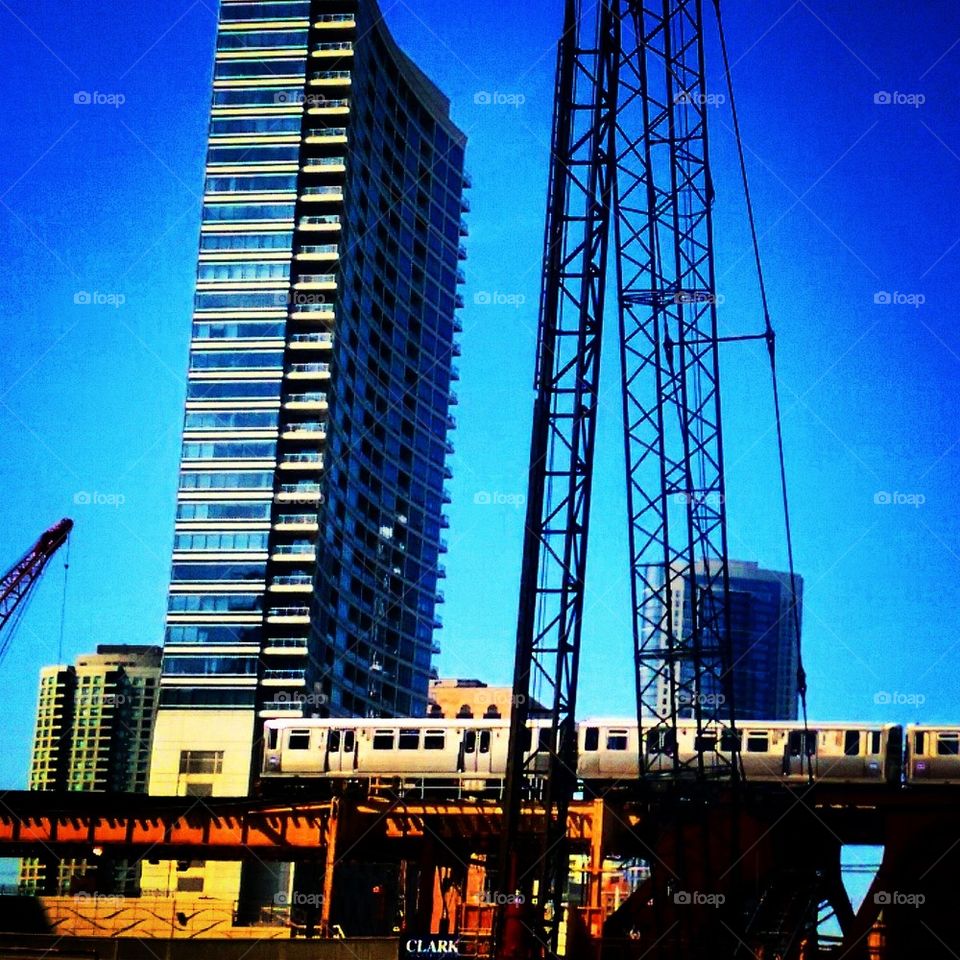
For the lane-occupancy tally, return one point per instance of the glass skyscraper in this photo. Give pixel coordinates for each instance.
(762, 638)
(310, 506)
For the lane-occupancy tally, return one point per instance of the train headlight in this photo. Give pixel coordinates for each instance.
(273, 763)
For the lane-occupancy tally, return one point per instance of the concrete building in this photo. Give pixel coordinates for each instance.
(763, 641)
(310, 505)
(93, 732)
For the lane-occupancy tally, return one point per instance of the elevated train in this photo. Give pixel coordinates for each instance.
(469, 757)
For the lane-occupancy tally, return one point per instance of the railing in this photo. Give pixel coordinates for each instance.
(306, 398)
(311, 456)
(315, 337)
(283, 675)
(333, 248)
(321, 218)
(299, 488)
(306, 426)
(288, 549)
(309, 368)
(311, 308)
(324, 191)
(323, 162)
(288, 612)
(292, 581)
(324, 103)
(335, 45)
(291, 642)
(330, 75)
(327, 132)
(291, 518)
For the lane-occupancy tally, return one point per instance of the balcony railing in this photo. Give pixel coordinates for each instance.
(293, 580)
(288, 612)
(306, 426)
(311, 456)
(325, 219)
(301, 489)
(294, 643)
(323, 162)
(291, 519)
(321, 75)
(307, 398)
(322, 248)
(316, 337)
(322, 191)
(317, 368)
(295, 675)
(327, 132)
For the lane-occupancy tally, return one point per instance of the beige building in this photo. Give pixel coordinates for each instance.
(93, 733)
(470, 699)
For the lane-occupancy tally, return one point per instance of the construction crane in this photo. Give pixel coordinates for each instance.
(20, 580)
(630, 170)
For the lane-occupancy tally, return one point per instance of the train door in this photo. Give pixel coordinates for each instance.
(341, 751)
(800, 754)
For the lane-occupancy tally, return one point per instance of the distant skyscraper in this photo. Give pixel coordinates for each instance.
(94, 723)
(309, 512)
(763, 641)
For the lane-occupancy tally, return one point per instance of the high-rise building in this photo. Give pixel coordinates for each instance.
(94, 724)
(762, 637)
(309, 511)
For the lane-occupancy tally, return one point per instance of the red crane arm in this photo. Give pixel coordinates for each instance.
(20, 579)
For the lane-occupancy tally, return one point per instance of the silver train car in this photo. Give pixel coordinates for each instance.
(470, 756)
(932, 753)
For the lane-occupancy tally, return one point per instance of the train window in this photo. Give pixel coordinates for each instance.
(348, 739)
(409, 739)
(591, 739)
(660, 741)
(433, 739)
(851, 743)
(948, 744)
(333, 741)
(272, 738)
(757, 742)
(527, 739)
(875, 741)
(918, 742)
(484, 741)
(730, 741)
(298, 740)
(470, 741)
(616, 739)
(800, 741)
(706, 743)
(382, 739)
(543, 740)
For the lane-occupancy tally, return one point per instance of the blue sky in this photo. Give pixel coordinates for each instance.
(854, 199)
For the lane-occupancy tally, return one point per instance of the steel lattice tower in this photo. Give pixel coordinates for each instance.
(629, 148)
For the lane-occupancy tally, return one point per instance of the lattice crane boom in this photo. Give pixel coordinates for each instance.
(19, 581)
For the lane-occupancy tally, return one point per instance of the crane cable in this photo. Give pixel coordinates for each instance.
(770, 337)
(63, 601)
